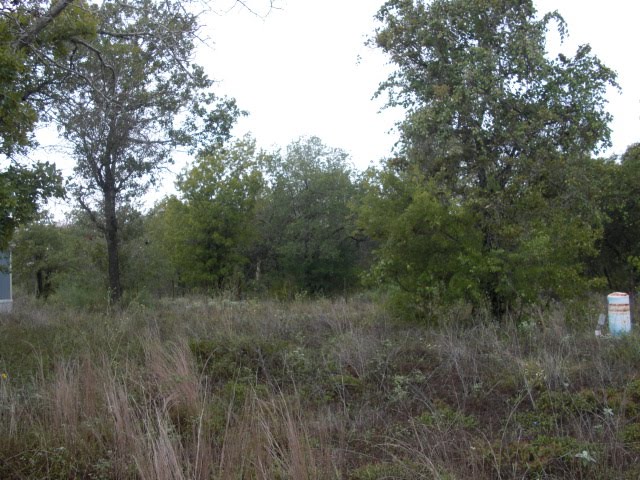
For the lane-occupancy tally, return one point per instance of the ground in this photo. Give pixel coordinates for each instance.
(313, 389)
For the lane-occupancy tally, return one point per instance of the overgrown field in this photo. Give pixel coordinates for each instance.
(212, 389)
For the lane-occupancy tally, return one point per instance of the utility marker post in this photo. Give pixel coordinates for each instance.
(6, 293)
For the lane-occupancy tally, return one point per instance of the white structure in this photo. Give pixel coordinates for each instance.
(6, 293)
(619, 313)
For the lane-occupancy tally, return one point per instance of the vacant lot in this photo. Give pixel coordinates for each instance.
(198, 388)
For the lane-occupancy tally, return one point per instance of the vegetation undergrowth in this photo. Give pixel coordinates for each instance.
(315, 389)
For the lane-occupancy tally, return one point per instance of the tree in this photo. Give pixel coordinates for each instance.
(62, 261)
(36, 45)
(209, 229)
(494, 140)
(306, 224)
(21, 189)
(617, 183)
(37, 40)
(138, 96)
(39, 256)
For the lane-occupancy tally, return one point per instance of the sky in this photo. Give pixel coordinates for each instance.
(303, 69)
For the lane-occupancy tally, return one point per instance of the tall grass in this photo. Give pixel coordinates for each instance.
(213, 389)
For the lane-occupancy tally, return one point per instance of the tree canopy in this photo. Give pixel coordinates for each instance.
(209, 229)
(494, 197)
(488, 173)
(38, 43)
(138, 95)
(306, 223)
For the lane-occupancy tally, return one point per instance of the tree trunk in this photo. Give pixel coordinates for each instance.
(39, 283)
(111, 236)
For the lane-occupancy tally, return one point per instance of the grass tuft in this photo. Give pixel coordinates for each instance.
(214, 389)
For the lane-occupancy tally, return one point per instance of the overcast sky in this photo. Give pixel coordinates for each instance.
(304, 69)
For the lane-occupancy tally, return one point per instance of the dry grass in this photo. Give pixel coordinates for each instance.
(206, 389)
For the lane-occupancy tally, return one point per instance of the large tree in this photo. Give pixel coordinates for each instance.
(37, 40)
(138, 96)
(209, 229)
(306, 223)
(485, 200)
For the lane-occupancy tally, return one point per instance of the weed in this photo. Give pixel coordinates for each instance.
(442, 416)
(212, 388)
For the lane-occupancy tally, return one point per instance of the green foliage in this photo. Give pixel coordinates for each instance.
(443, 416)
(550, 456)
(145, 260)
(81, 283)
(242, 358)
(406, 470)
(619, 249)
(137, 96)
(248, 218)
(68, 261)
(630, 435)
(21, 190)
(209, 230)
(39, 256)
(486, 202)
(305, 221)
(34, 42)
(34, 46)
(427, 246)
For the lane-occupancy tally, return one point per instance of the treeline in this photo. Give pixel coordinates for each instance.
(302, 221)
(495, 197)
(244, 222)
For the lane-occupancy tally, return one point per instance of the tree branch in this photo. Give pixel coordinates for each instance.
(28, 37)
(92, 215)
(97, 52)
